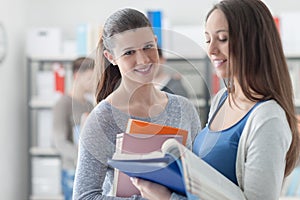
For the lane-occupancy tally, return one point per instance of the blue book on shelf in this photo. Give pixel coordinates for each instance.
(155, 18)
(164, 170)
(81, 39)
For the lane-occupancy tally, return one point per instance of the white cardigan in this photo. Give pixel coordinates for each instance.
(262, 149)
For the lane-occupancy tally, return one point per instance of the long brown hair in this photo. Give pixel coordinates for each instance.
(120, 21)
(258, 61)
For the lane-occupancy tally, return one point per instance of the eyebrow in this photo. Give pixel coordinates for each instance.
(219, 31)
(130, 48)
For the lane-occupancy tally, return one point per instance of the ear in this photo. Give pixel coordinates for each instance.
(109, 57)
(155, 39)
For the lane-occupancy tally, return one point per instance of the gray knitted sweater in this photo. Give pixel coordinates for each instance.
(94, 178)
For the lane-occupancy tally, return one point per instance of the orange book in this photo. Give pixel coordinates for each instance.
(132, 144)
(141, 127)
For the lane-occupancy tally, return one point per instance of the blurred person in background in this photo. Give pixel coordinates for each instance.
(69, 114)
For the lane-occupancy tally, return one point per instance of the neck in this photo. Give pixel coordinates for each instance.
(142, 101)
(144, 94)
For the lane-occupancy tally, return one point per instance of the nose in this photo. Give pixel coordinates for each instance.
(142, 57)
(212, 48)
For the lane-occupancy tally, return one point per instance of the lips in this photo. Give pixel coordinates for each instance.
(144, 70)
(219, 62)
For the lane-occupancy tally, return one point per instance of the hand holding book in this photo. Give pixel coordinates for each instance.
(180, 170)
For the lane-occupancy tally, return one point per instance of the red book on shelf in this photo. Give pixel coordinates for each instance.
(59, 73)
(277, 22)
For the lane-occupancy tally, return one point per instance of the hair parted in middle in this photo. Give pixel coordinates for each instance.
(108, 75)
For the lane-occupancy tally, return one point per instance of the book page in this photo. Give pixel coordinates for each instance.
(200, 178)
(136, 156)
(172, 147)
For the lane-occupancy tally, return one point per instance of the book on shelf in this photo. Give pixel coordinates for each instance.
(180, 170)
(132, 144)
(141, 127)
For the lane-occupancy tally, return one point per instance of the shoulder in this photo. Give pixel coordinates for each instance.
(104, 114)
(65, 99)
(102, 106)
(103, 110)
(178, 100)
(268, 120)
(268, 110)
(179, 105)
(63, 102)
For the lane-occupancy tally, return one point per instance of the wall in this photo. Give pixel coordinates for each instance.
(13, 142)
(68, 13)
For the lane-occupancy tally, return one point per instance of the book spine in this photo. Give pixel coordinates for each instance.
(118, 149)
(155, 20)
(119, 143)
(128, 126)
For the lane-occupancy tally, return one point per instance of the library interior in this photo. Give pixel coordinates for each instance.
(39, 45)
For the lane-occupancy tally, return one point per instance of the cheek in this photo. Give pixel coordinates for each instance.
(153, 55)
(225, 49)
(126, 64)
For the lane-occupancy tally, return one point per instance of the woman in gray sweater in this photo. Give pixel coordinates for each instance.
(128, 63)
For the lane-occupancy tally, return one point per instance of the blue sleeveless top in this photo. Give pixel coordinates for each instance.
(219, 148)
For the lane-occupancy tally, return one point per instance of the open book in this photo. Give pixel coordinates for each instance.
(180, 170)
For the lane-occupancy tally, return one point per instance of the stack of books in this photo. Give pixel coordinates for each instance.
(163, 159)
(141, 138)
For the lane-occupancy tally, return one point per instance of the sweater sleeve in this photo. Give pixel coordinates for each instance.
(261, 161)
(93, 177)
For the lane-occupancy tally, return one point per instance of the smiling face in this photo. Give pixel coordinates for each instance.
(135, 53)
(217, 39)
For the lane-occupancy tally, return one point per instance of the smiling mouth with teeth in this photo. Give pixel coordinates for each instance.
(145, 69)
(217, 63)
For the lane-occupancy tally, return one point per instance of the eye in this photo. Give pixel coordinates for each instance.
(149, 46)
(207, 39)
(223, 40)
(128, 53)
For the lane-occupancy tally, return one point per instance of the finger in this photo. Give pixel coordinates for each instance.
(134, 181)
(141, 183)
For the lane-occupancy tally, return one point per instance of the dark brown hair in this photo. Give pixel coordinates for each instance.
(120, 21)
(258, 61)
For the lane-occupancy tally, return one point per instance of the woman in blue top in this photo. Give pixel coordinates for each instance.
(251, 136)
